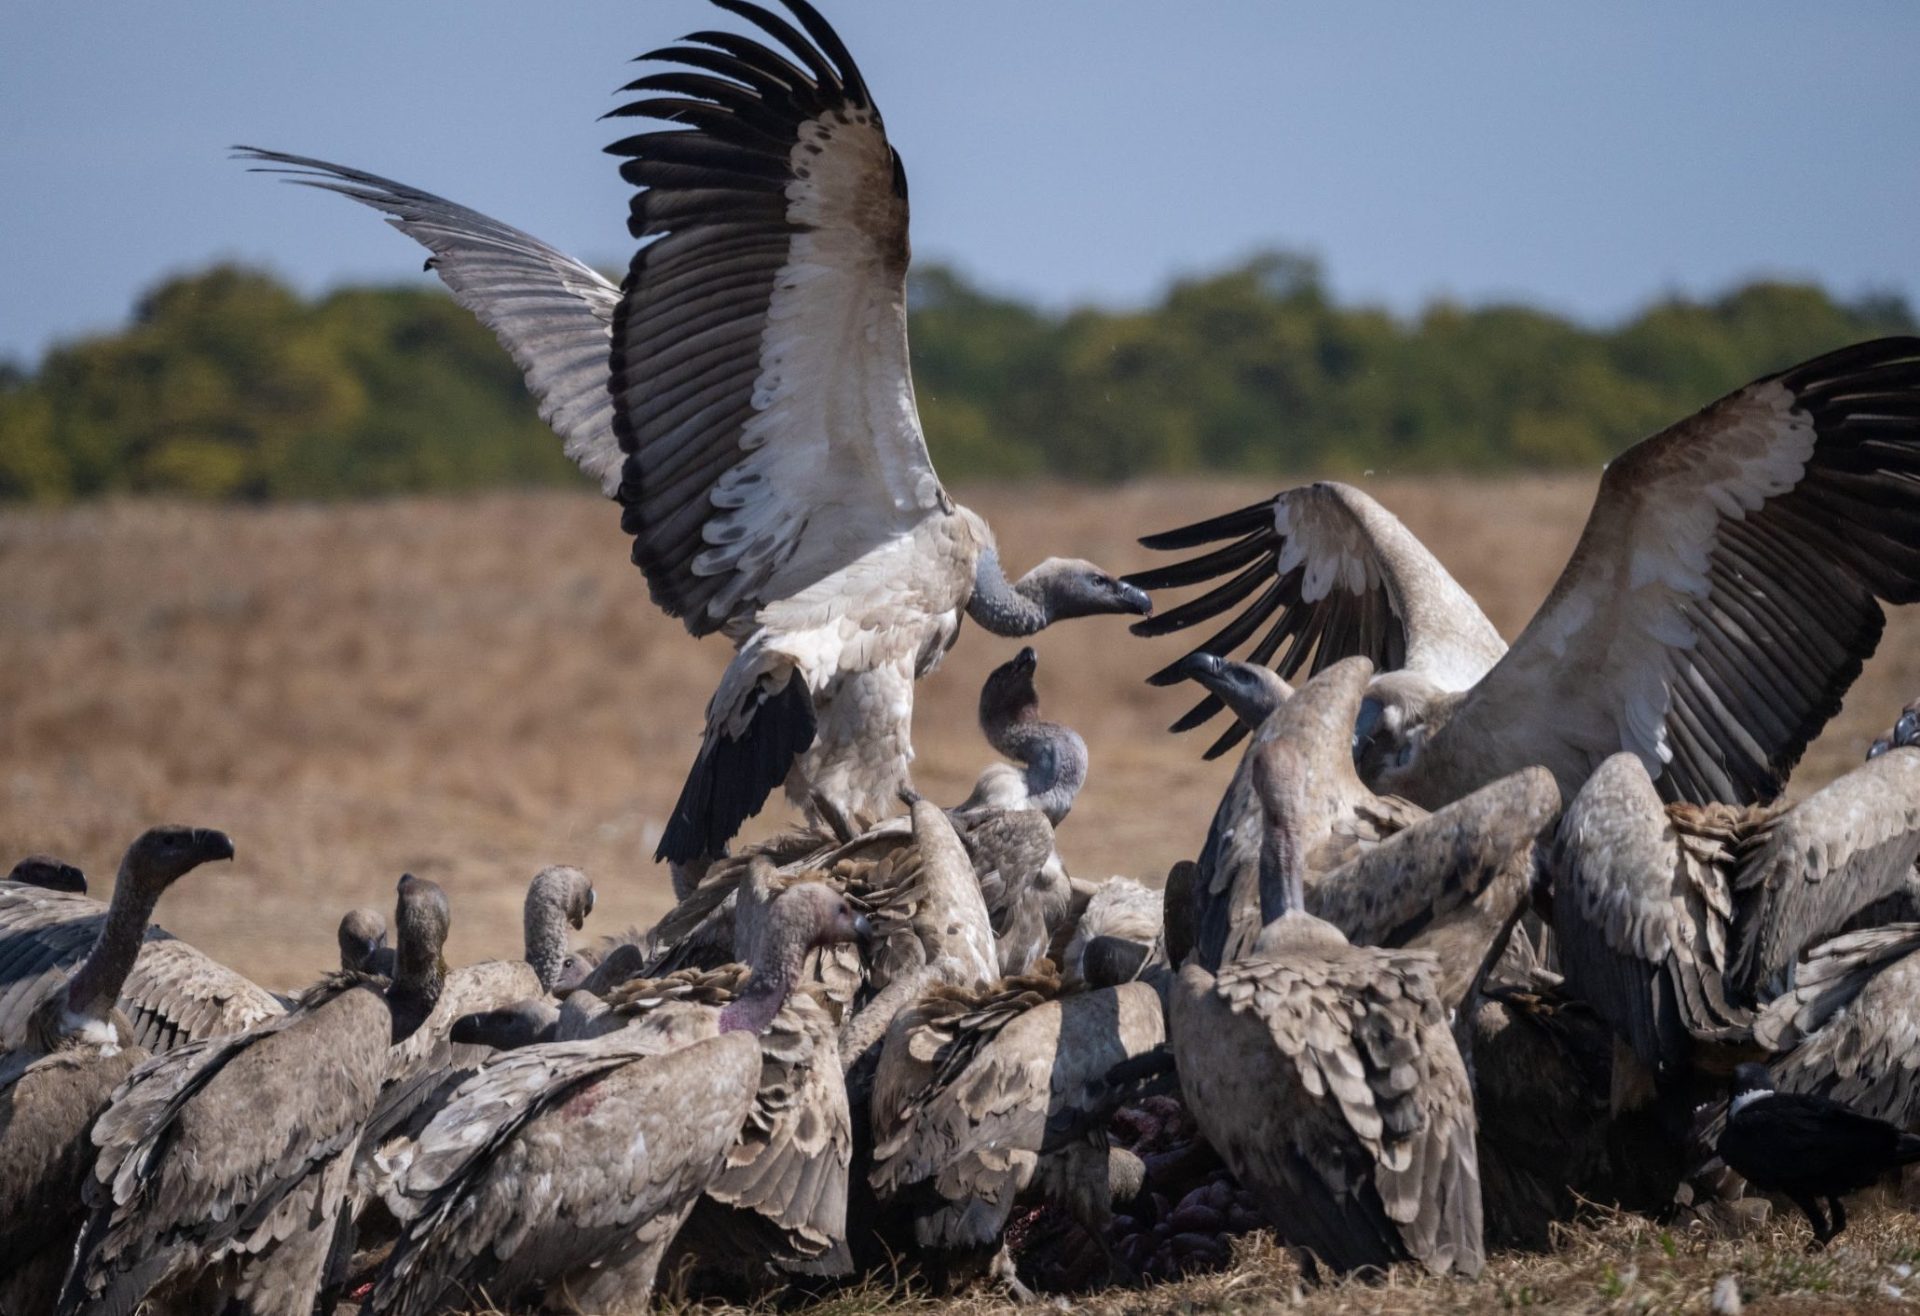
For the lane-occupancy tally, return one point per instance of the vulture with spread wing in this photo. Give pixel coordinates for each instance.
(1722, 597)
(745, 395)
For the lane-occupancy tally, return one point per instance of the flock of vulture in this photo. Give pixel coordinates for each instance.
(1478, 933)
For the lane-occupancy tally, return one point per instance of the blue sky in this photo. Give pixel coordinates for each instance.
(1585, 158)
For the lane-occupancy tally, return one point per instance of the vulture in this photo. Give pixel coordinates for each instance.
(1722, 597)
(222, 1165)
(1325, 1074)
(50, 874)
(745, 396)
(1381, 870)
(363, 943)
(77, 1048)
(568, 1167)
(174, 994)
(982, 1095)
(1118, 926)
(1849, 1029)
(1675, 920)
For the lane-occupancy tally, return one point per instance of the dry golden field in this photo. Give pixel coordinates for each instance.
(472, 688)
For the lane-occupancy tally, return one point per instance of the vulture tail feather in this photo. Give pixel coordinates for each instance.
(732, 778)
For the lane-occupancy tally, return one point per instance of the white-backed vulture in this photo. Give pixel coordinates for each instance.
(1325, 1074)
(1721, 599)
(1382, 870)
(569, 1166)
(1118, 910)
(363, 943)
(984, 1095)
(174, 994)
(1850, 1027)
(223, 1164)
(78, 1047)
(1674, 921)
(746, 397)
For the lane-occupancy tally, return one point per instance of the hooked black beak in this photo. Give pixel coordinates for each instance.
(1025, 661)
(212, 844)
(863, 931)
(1907, 730)
(1205, 668)
(1135, 601)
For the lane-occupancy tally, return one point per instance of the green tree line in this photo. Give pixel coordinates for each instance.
(228, 384)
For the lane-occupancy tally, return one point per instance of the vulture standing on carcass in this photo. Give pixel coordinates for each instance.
(568, 1167)
(745, 395)
(77, 1048)
(174, 994)
(223, 1164)
(1325, 1073)
(1722, 597)
(1676, 920)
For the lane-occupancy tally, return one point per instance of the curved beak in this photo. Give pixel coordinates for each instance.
(1025, 661)
(863, 931)
(212, 844)
(1364, 727)
(1135, 601)
(1206, 668)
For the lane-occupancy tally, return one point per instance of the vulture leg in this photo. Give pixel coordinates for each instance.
(1003, 1270)
(1839, 1216)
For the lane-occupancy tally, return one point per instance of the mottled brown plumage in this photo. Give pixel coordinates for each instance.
(78, 1048)
(223, 1164)
(1326, 1075)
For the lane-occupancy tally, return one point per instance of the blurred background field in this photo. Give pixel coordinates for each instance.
(472, 687)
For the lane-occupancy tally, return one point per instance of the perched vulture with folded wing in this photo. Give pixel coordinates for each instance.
(1722, 597)
(1325, 1074)
(1676, 920)
(745, 395)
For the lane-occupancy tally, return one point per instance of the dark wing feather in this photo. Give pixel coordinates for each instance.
(1342, 577)
(552, 313)
(758, 363)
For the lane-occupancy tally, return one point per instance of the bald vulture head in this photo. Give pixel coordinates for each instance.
(1008, 695)
(509, 1027)
(1402, 712)
(363, 936)
(422, 920)
(48, 873)
(1067, 587)
(162, 855)
(1250, 691)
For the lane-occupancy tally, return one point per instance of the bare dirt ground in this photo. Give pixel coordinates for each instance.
(469, 689)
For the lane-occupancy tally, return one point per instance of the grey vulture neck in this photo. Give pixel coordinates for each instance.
(557, 897)
(152, 863)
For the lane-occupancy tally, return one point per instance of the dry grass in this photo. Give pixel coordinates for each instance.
(472, 688)
(1621, 1264)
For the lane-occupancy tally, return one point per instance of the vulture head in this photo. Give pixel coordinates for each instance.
(1008, 695)
(1402, 711)
(422, 919)
(564, 890)
(521, 1024)
(363, 935)
(51, 874)
(1067, 587)
(1250, 691)
(162, 855)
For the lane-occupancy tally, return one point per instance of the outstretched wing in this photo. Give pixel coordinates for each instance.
(553, 314)
(1727, 586)
(1341, 576)
(760, 379)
